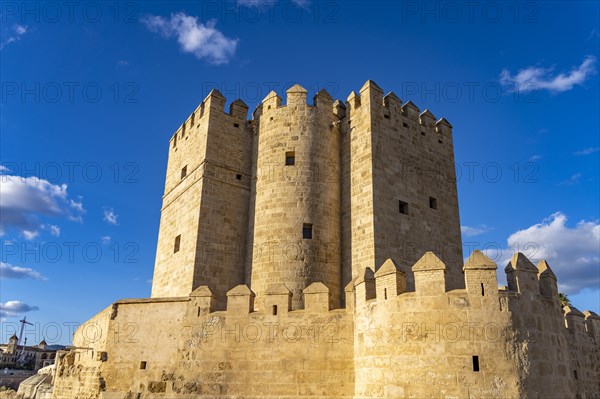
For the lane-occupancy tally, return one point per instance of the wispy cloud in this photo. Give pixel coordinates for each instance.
(574, 179)
(535, 158)
(14, 34)
(8, 271)
(470, 231)
(203, 40)
(539, 78)
(15, 308)
(587, 151)
(110, 216)
(105, 240)
(24, 200)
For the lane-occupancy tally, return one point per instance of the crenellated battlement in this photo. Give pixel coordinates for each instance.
(526, 283)
(214, 102)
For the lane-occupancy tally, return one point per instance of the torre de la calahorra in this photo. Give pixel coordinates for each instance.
(314, 251)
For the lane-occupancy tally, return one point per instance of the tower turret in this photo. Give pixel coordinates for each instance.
(296, 227)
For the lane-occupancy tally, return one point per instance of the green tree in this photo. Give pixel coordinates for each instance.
(564, 300)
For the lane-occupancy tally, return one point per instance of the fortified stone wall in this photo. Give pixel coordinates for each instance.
(182, 347)
(387, 343)
(473, 342)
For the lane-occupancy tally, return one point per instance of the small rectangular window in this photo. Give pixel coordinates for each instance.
(475, 363)
(307, 231)
(405, 124)
(177, 244)
(432, 203)
(236, 125)
(274, 310)
(238, 176)
(422, 133)
(403, 207)
(184, 171)
(290, 158)
(386, 116)
(142, 365)
(575, 374)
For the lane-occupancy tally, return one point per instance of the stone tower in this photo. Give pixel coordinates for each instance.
(204, 217)
(295, 231)
(399, 196)
(12, 345)
(306, 193)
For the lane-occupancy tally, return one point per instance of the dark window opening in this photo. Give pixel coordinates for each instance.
(238, 176)
(422, 133)
(385, 293)
(184, 171)
(403, 207)
(192, 122)
(174, 141)
(198, 311)
(274, 310)
(482, 290)
(475, 363)
(307, 231)
(386, 116)
(575, 374)
(405, 124)
(177, 244)
(236, 125)
(290, 158)
(432, 203)
(142, 365)
(440, 141)
(271, 119)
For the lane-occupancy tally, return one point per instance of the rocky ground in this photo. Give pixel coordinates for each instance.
(6, 393)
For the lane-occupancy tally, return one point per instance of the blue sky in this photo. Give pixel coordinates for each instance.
(92, 93)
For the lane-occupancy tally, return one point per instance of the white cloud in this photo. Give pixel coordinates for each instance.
(110, 216)
(572, 252)
(23, 200)
(30, 234)
(13, 35)
(470, 231)
(538, 78)
(202, 40)
(14, 308)
(574, 179)
(15, 272)
(587, 151)
(105, 239)
(535, 158)
(53, 229)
